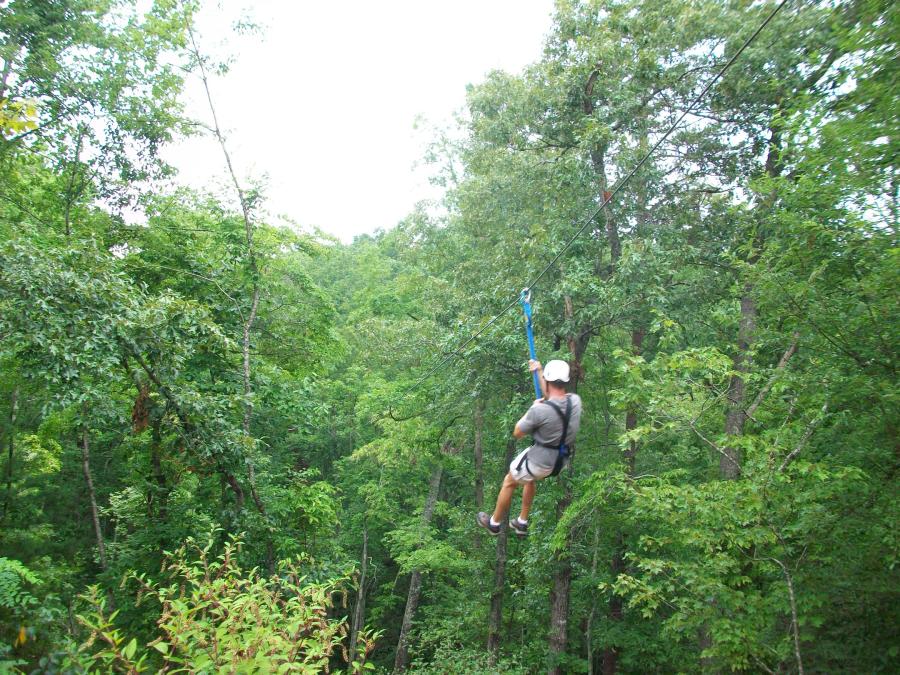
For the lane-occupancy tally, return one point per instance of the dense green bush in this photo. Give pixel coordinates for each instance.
(214, 616)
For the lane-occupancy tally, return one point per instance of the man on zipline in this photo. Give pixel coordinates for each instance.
(553, 422)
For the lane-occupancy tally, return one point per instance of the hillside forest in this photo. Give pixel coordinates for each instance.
(233, 444)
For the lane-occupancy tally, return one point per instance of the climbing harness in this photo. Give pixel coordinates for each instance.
(525, 301)
(563, 451)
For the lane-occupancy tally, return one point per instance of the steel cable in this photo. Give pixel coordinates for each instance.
(618, 186)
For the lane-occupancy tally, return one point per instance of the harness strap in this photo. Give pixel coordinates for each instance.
(562, 448)
(524, 461)
(565, 417)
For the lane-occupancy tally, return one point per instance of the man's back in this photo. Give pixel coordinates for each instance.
(546, 425)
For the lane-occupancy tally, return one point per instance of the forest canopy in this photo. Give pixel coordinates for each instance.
(232, 444)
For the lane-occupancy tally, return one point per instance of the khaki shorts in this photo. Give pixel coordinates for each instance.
(528, 473)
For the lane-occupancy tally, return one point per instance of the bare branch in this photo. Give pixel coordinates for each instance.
(789, 352)
(810, 428)
(763, 666)
(705, 439)
(795, 626)
(255, 290)
(248, 409)
(217, 131)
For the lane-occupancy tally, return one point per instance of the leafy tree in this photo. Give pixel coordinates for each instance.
(729, 316)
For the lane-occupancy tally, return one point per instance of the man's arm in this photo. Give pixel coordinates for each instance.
(526, 425)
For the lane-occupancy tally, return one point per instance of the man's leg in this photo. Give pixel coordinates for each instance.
(504, 497)
(528, 490)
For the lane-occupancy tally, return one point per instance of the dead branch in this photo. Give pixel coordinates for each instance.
(810, 428)
(789, 352)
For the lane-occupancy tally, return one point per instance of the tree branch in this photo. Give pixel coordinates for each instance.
(789, 352)
(795, 626)
(810, 428)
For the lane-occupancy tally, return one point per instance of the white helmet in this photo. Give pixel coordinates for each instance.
(556, 371)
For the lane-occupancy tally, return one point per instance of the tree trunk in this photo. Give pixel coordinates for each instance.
(479, 464)
(637, 344)
(704, 642)
(735, 417)
(7, 67)
(598, 161)
(72, 194)
(730, 460)
(562, 578)
(245, 353)
(401, 660)
(735, 414)
(92, 495)
(577, 343)
(160, 496)
(559, 594)
(11, 449)
(359, 611)
(611, 653)
(495, 618)
(589, 621)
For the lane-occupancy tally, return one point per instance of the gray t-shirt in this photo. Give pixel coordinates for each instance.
(545, 426)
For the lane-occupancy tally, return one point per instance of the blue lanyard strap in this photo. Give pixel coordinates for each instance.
(525, 301)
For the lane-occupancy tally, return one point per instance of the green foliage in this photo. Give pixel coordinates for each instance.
(737, 299)
(16, 604)
(17, 117)
(454, 659)
(416, 548)
(215, 615)
(29, 617)
(13, 579)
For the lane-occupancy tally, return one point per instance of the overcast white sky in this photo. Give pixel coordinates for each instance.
(322, 102)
